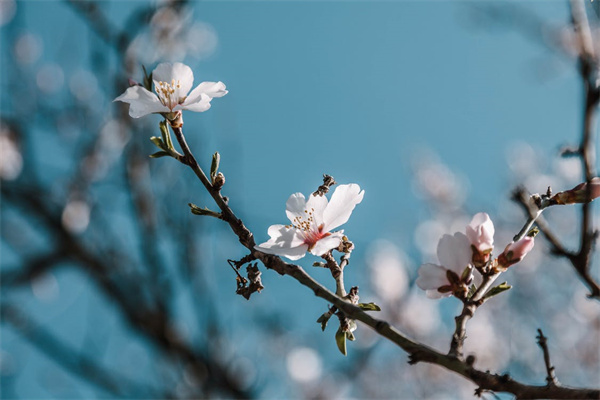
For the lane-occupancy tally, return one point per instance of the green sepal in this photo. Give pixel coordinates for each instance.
(369, 307)
(164, 132)
(503, 287)
(340, 339)
(214, 166)
(324, 319)
(147, 80)
(472, 290)
(533, 232)
(465, 274)
(159, 154)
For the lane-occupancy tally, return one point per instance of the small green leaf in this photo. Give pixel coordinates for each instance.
(159, 154)
(158, 143)
(369, 307)
(324, 319)
(503, 287)
(203, 211)
(214, 166)
(466, 273)
(340, 339)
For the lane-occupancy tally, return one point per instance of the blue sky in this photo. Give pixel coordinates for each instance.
(354, 90)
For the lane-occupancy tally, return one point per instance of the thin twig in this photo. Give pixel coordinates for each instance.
(542, 341)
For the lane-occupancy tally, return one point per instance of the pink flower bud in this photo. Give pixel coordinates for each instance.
(481, 232)
(516, 251)
(579, 194)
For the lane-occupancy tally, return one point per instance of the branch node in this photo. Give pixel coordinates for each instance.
(328, 182)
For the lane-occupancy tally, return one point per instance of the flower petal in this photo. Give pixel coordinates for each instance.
(341, 205)
(141, 102)
(211, 89)
(435, 294)
(284, 241)
(317, 206)
(167, 72)
(327, 243)
(454, 252)
(295, 206)
(431, 277)
(202, 104)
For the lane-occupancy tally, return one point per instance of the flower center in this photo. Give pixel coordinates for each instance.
(311, 233)
(168, 93)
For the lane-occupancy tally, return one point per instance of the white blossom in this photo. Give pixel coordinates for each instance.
(172, 84)
(454, 255)
(312, 223)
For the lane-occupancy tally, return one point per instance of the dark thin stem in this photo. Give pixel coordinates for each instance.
(244, 235)
(543, 342)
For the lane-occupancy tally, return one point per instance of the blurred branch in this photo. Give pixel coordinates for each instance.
(588, 66)
(95, 18)
(418, 352)
(72, 360)
(154, 324)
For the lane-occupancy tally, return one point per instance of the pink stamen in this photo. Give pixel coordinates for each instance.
(311, 237)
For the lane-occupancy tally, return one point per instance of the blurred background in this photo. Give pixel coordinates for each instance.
(111, 288)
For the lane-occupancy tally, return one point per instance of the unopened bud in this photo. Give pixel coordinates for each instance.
(480, 232)
(516, 251)
(219, 181)
(579, 194)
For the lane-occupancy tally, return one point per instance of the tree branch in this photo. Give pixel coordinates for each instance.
(418, 352)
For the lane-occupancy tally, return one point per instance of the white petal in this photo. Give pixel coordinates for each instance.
(167, 72)
(210, 89)
(201, 105)
(317, 206)
(327, 243)
(435, 294)
(141, 102)
(295, 206)
(454, 252)
(284, 242)
(431, 277)
(340, 207)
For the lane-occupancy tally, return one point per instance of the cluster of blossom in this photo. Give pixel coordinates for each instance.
(461, 253)
(313, 221)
